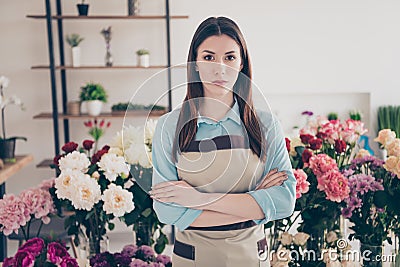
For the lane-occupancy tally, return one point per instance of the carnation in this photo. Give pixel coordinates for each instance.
(13, 214)
(334, 184)
(65, 183)
(113, 166)
(302, 186)
(322, 163)
(117, 200)
(385, 137)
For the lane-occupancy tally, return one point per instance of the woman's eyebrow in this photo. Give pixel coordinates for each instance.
(211, 52)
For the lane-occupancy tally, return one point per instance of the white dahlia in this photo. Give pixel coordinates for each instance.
(117, 200)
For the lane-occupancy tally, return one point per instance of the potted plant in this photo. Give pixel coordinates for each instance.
(143, 57)
(94, 95)
(74, 40)
(7, 145)
(83, 8)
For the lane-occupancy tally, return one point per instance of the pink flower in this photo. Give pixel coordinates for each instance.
(39, 203)
(322, 163)
(356, 126)
(47, 184)
(302, 186)
(138, 263)
(34, 246)
(9, 262)
(156, 264)
(69, 262)
(56, 252)
(24, 259)
(13, 214)
(334, 184)
(164, 259)
(129, 250)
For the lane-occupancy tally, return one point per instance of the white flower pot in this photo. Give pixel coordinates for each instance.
(144, 61)
(94, 107)
(76, 56)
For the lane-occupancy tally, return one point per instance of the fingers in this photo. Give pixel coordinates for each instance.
(271, 178)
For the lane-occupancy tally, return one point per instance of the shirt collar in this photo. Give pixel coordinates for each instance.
(233, 114)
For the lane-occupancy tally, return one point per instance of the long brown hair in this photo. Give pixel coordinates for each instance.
(187, 123)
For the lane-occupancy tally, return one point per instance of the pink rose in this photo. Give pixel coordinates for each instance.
(69, 262)
(302, 186)
(385, 137)
(334, 184)
(56, 252)
(322, 163)
(34, 246)
(24, 259)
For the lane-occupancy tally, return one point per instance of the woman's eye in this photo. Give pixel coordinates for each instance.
(230, 58)
(208, 57)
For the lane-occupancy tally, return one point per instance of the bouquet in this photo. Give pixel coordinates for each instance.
(92, 190)
(37, 252)
(135, 145)
(132, 256)
(18, 212)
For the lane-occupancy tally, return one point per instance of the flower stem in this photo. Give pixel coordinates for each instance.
(40, 228)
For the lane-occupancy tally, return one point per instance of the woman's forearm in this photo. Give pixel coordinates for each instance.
(240, 205)
(213, 218)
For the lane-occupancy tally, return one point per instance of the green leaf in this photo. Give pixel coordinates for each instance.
(147, 212)
(111, 226)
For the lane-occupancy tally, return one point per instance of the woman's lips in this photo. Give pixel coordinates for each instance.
(220, 82)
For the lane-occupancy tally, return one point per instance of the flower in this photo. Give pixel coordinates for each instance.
(12, 214)
(331, 237)
(36, 252)
(113, 166)
(340, 146)
(287, 141)
(74, 161)
(129, 250)
(4, 102)
(393, 148)
(65, 183)
(286, 238)
(88, 144)
(322, 163)
(138, 263)
(302, 186)
(300, 238)
(69, 147)
(362, 153)
(86, 194)
(117, 200)
(164, 259)
(334, 184)
(385, 137)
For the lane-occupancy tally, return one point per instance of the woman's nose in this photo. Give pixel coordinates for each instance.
(219, 67)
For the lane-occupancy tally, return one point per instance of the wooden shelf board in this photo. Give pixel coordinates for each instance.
(76, 17)
(12, 168)
(45, 163)
(144, 113)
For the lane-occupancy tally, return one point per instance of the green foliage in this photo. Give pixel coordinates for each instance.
(93, 91)
(333, 116)
(130, 106)
(355, 115)
(142, 52)
(74, 39)
(389, 118)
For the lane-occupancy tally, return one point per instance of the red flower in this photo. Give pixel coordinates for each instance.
(315, 143)
(69, 147)
(88, 124)
(322, 135)
(56, 159)
(340, 146)
(287, 144)
(305, 138)
(102, 123)
(307, 154)
(97, 156)
(108, 124)
(88, 144)
(106, 148)
(33, 246)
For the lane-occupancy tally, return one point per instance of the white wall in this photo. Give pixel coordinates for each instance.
(299, 49)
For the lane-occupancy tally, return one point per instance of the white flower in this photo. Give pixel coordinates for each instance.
(86, 193)
(286, 239)
(4, 81)
(113, 166)
(117, 200)
(138, 154)
(74, 161)
(116, 150)
(65, 183)
(300, 238)
(149, 130)
(331, 237)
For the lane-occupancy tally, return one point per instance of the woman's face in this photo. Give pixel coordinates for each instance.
(218, 63)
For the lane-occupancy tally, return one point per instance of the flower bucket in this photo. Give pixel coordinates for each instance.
(7, 149)
(83, 9)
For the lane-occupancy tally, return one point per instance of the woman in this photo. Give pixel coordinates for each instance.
(216, 159)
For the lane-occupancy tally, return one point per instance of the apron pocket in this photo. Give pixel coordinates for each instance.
(184, 250)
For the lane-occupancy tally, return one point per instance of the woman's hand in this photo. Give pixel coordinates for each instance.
(273, 178)
(179, 192)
